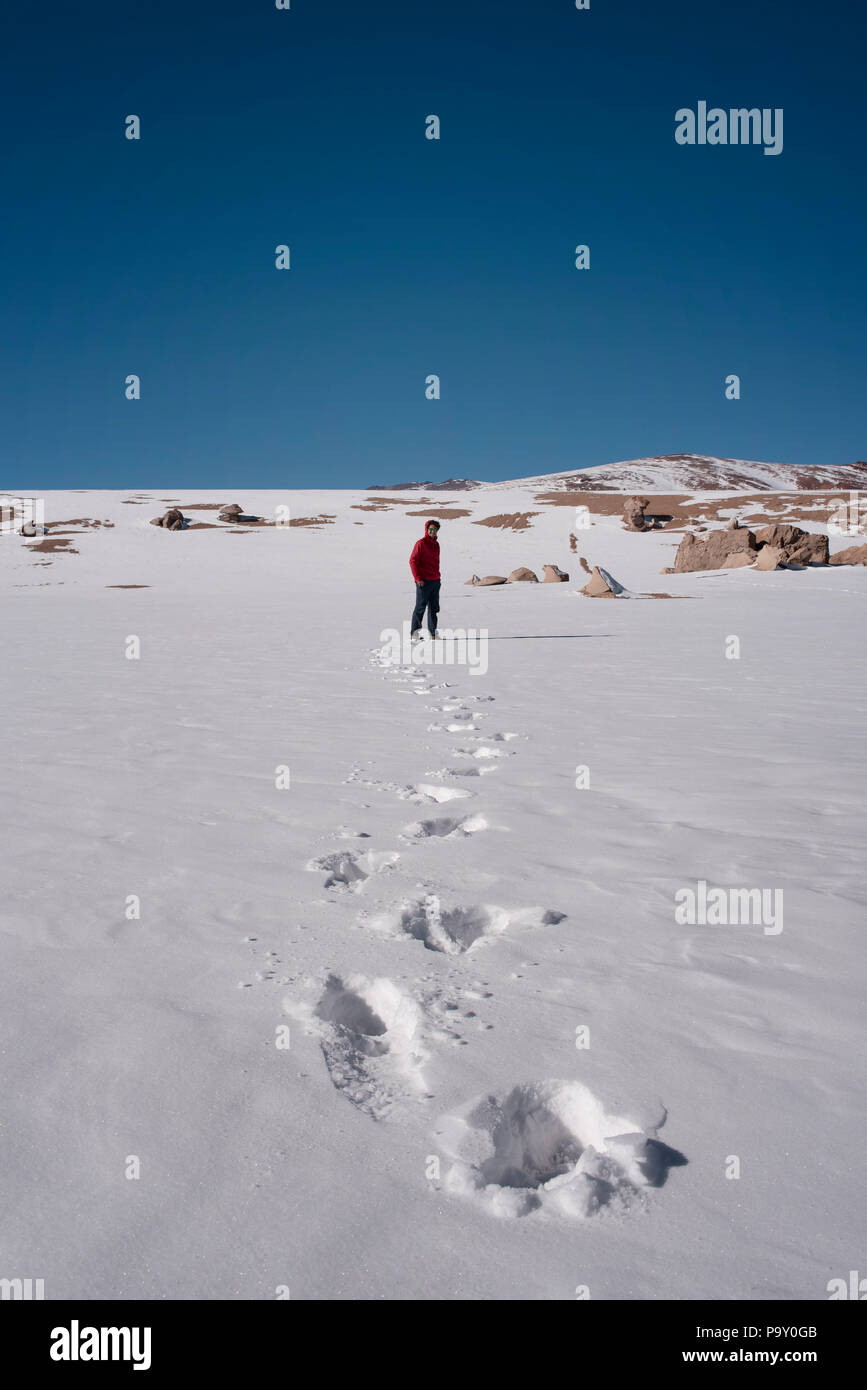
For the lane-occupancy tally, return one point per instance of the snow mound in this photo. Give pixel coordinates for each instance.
(550, 1146)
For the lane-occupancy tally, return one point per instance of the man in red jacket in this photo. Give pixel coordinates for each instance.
(425, 565)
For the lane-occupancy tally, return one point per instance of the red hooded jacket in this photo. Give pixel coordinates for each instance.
(425, 558)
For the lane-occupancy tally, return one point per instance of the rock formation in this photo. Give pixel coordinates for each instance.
(737, 546)
(173, 520)
(852, 555)
(799, 547)
(770, 558)
(601, 585)
(712, 553)
(234, 513)
(553, 575)
(523, 576)
(633, 514)
(811, 550)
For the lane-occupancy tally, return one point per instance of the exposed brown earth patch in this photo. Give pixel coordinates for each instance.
(199, 506)
(678, 510)
(325, 519)
(512, 521)
(59, 543)
(395, 501)
(447, 513)
(128, 586)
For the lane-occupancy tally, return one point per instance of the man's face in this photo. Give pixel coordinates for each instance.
(432, 532)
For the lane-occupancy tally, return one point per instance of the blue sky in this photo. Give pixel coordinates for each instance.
(410, 256)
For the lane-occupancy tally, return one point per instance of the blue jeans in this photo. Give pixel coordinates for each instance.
(427, 596)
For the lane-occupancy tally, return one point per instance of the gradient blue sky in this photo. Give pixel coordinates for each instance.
(411, 256)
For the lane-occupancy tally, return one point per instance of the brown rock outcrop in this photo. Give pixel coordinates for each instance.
(523, 576)
(633, 514)
(852, 555)
(779, 535)
(234, 514)
(552, 574)
(737, 559)
(489, 579)
(601, 585)
(799, 547)
(811, 550)
(770, 558)
(173, 520)
(712, 553)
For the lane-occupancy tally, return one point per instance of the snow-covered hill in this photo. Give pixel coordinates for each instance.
(667, 473)
(697, 472)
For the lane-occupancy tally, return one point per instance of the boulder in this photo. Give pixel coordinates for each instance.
(770, 558)
(737, 559)
(633, 514)
(732, 524)
(523, 576)
(601, 585)
(233, 514)
(554, 575)
(712, 553)
(852, 555)
(811, 550)
(489, 579)
(244, 518)
(799, 547)
(173, 520)
(780, 536)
